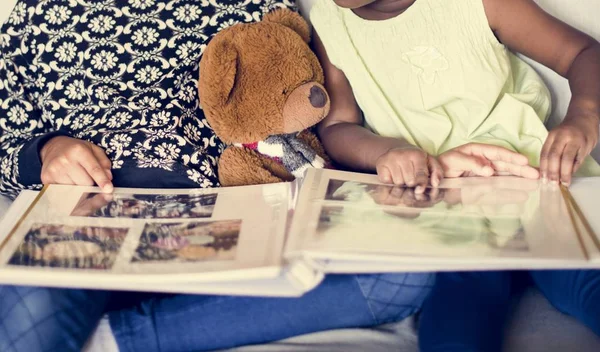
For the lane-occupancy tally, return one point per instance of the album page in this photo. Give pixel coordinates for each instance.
(468, 223)
(147, 237)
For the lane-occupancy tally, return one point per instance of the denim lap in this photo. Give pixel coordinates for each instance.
(393, 297)
(36, 319)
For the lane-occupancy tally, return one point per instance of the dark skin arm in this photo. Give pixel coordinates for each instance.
(351, 145)
(395, 160)
(524, 27)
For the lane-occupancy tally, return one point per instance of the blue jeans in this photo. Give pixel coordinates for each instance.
(467, 311)
(62, 320)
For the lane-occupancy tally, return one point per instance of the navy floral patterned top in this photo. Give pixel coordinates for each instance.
(119, 73)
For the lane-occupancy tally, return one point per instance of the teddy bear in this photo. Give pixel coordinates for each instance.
(261, 90)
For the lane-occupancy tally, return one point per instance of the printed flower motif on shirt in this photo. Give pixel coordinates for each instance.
(145, 36)
(58, 14)
(82, 121)
(167, 151)
(148, 74)
(66, 52)
(160, 119)
(187, 49)
(17, 115)
(18, 15)
(118, 120)
(191, 132)
(76, 90)
(227, 24)
(104, 60)
(102, 24)
(426, 62)
(142, 4)
(121, 74)
(187, 13)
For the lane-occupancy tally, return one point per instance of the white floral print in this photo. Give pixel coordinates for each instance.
(66, 52)
(104, 60)
(102, 24)
(75, 90)
(145, 36)
(82, 121)
(141, 4)
(118, 120)
(17, 115)
(18, 15)
(121, 74)
(148, 74)
(188, 13)
(160, 119)
(57, 14)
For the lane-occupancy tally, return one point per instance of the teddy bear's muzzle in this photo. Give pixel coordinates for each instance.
(306, 106)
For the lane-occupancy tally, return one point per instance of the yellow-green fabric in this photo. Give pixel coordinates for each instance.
(437, 76)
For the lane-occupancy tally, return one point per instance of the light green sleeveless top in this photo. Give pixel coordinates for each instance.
(437, 76)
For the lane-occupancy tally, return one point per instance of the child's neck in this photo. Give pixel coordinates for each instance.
(383, 9)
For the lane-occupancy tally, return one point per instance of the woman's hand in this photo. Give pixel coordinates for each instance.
(476, 159)
(71, 161)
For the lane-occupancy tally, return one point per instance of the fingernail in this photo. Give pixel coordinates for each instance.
(566, 184)
(419, 189)
(108, 188)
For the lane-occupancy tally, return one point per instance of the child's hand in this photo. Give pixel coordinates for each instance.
(566, 147)
(71, 161)
(476, 159)
(409, 166)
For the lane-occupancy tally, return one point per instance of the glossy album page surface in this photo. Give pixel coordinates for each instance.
(471, 223)
(147, 237)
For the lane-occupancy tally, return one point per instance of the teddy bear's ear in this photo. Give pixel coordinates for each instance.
(218, 69)
(291, 20)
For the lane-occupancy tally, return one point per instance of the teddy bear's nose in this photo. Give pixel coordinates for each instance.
(317, 97)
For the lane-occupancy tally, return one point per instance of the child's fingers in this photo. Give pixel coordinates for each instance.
(435, 170)
(397, 176)
(420, 174)
(578, 161)
(384, 174)
(545, 154)
(391, 174)
(551, 158)
(408, 172)
(567, 164)
(554, 161)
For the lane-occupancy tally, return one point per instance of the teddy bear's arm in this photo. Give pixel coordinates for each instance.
(241, 166)
(313, 141)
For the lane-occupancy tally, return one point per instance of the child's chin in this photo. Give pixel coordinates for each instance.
(352, 4)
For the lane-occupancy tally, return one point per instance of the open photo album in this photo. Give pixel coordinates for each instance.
(281, 239)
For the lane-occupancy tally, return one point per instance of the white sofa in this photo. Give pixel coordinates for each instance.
(534, 325)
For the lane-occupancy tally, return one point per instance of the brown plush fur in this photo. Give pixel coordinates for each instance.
(258, 80)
